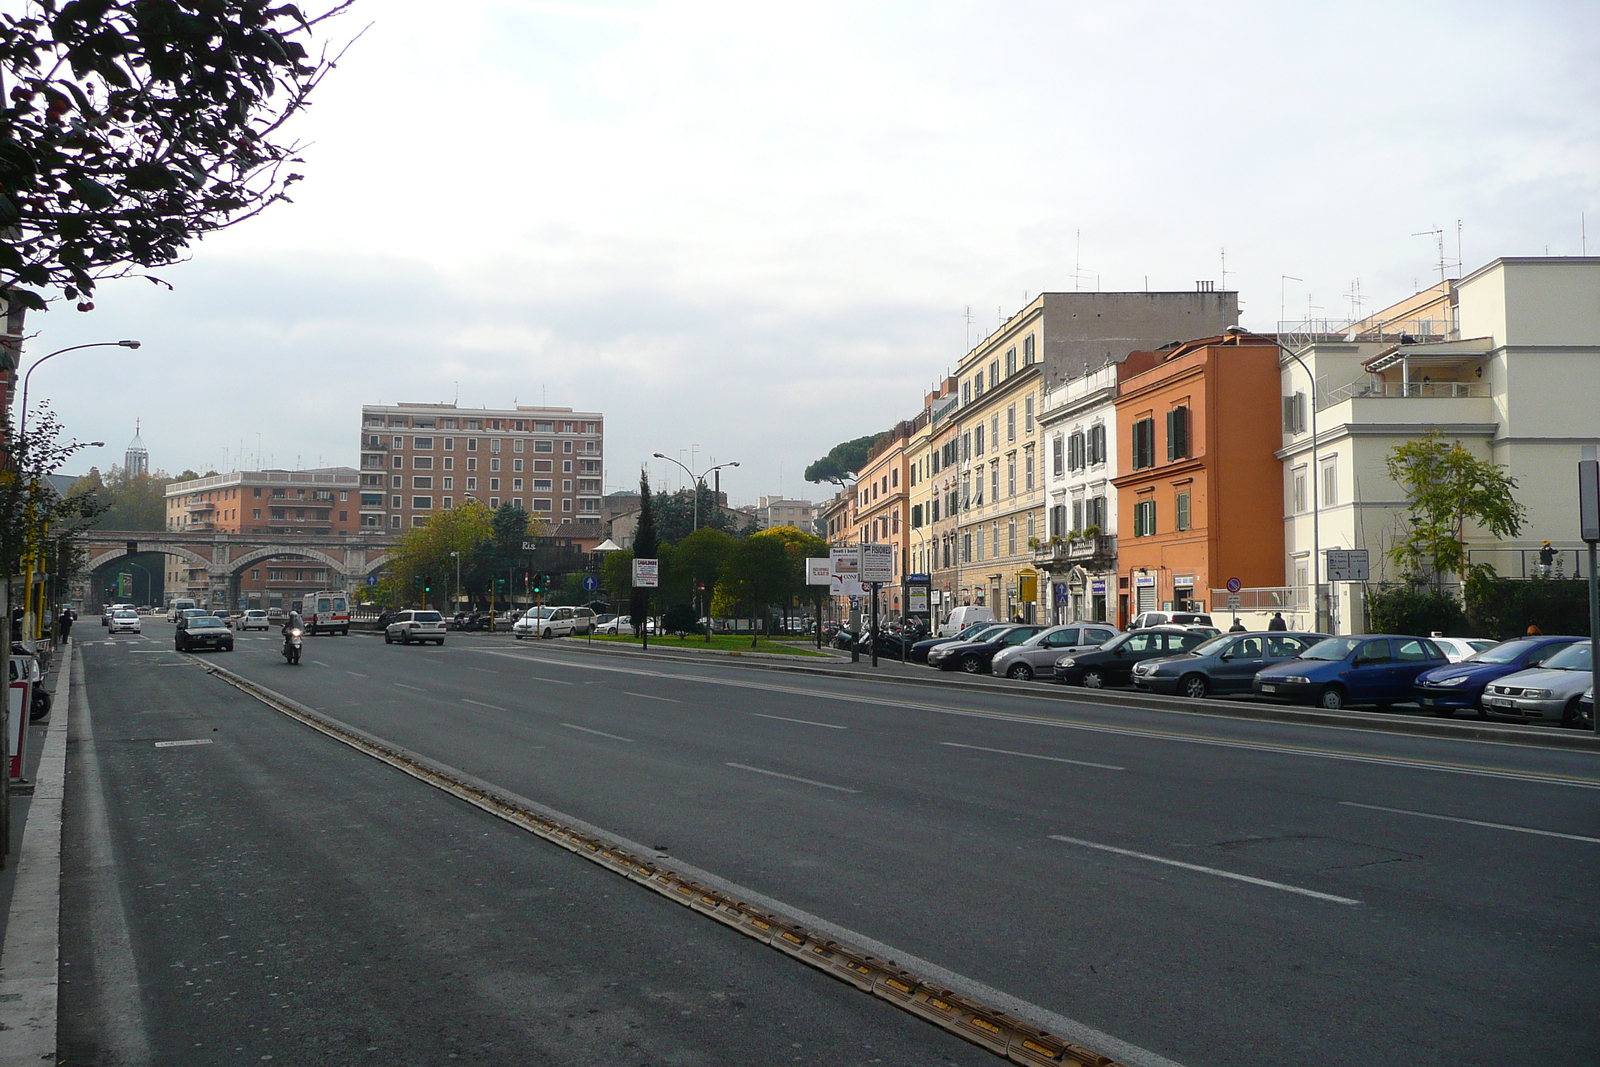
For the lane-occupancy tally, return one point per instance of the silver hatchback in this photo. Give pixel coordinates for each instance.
(1038, 654)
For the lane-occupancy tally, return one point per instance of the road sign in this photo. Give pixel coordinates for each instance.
(1234, 600)
(1234, 585)
(1348, 565)
(591, 583)
(1589, 499)
(646, 573)
(372, 579)
(877, 563)
(819, 571)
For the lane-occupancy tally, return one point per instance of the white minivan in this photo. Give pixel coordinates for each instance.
(176, 609)
(962, 617)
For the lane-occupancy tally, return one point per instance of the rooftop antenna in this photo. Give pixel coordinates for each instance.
(457, 400)
(1354, 296)
(1077, 258)
(1583, 232)
(1283, 293)
(1461, 264)
(969, 326)
(1225, 269)
(1438, 235)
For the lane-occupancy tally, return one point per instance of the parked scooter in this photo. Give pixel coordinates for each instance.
(292, 640)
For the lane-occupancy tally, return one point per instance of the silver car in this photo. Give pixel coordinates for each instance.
(1038, 654)
(1552, 691)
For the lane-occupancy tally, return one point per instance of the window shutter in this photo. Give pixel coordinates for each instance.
(1172, 436)
(1077, 514)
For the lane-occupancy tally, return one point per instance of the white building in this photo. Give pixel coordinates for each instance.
(773, 511)
(1505, 361)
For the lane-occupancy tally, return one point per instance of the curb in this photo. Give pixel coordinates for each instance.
(30, 963)
(1376, 722)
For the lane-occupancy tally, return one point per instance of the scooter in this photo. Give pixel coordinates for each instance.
(292, 640)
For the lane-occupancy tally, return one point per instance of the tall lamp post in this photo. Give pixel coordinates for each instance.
(57, 352)
(696, 480)
(456, 600)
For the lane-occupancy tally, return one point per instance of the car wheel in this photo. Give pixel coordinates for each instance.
(1195, 686)
(1094, 680)
(1569, 714)
(440, 642)
(1332, 698)
(1021, 672)
(548, 634)
(405, 637)
(388, 638)
(227, 648)
(971, 664)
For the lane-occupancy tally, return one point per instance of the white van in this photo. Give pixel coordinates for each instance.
(960, 618)
(327, 612)
(179, 605)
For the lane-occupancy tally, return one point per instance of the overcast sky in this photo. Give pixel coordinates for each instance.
(756, 229)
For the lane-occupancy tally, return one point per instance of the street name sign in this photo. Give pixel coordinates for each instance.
(1348, 565)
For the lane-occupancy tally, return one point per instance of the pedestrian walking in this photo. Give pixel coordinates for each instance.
(1547, 557)
(1277, 622)
(64, 623)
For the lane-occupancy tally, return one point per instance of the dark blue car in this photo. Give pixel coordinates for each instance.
(1376, 669)
(918, 653)
(1459, 686)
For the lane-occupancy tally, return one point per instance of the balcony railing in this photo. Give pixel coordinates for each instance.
(1101, 548)
(1401, 391)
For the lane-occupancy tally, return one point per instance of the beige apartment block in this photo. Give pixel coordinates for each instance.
(418, 460)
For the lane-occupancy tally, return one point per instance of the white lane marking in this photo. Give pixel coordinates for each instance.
(598, 733)
(552, 681)
(1205, 870)
(177, 744)
(144, 651)
(1533, 777)
(481, 704)
(353, 674)
(794, 778)
(1035, 755)
(806, 722)
(647, 696)
(403, 685)
(319, 663)
(482, 670)
(1472, 822)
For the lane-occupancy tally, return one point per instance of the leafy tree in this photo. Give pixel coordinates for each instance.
(1406, 609)
(130, 128)
(757, 574)
(675, 515)
(616, 574)
(1447, 487)
(425, 551)
(842, 462)
(680, 619)
(123, 501)
(697, 561)
(645, 546)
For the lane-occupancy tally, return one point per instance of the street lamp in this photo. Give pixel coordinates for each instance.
(57, 352)
(697, 480)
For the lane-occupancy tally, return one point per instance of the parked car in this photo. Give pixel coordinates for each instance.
(1460, 648)
(583, 621)
(614, 624)
(254, 619)
(1113, 662)
(1552, 691)
(962, 617)
(546, 622)
(1038, 654)
(415, 624)
(918, 652)
(973, 656)
(1459, 686)
(1379, 669)
(125, 621)
(199, 631)
(1148, 619)
(274, 613)
(1586, 709)
(1225, 664)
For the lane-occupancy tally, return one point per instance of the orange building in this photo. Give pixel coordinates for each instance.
(1200, 494)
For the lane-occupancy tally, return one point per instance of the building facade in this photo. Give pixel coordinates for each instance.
(420, 459)
(1199, 493)
(773, 511)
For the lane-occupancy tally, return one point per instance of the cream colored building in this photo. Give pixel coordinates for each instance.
(1505, 361)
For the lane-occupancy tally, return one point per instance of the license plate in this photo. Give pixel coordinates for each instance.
(1269, 689)
(1427, 700)
(1499, 702)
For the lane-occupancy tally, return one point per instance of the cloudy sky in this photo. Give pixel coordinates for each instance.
(755, 230)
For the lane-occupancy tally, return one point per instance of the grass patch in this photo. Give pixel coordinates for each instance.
(719, 642)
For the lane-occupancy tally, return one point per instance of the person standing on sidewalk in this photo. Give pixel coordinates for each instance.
(64, 623)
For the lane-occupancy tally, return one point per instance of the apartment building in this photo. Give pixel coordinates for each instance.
(882, 505)
(773, 511)
(1199, 489)
(420, 459)
(1505, 361)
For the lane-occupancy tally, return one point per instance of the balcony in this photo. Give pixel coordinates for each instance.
(1099, 551)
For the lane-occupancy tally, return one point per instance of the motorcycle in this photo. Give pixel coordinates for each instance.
(292, 640)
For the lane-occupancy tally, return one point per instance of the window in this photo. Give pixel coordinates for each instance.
(422, 503)
(1058, 453)
(566, 505)
(1075, 452)
(422, 442)
(1144, 444)
(1027, 351)
(566, 466)
(1330, 482)
(1144, 518)
(1178, 433)
(994, 431)
(494, 485)
(1297, 490)
(472, 463)
(472, 483)
(1011, 362)
(517, 445)
(994, 373)
(449, 444)
(543, 484)
(1181, 511)
(1294, 413)
(566, 446)
(916, 516)
(1028, 469)
(977, 440)
(1097, 443)
(966, 447)
(566, 485)
(394, 522)
(1011, 423)
(399, 461)
(516, 465)
(994, 482)
(1077, 514)
(1027, 417)
(448, 483)
(255, 513)
(966, 548)
(541, 504)
(516, 485)
(494, 502)
(966, 393)
(277, 512)
(421, 482)
(396, 482)
(1011, 476)
(494, 443)
(494, 461)
(472, 444)
(422, 463)
(449, 463)
(980, 544)
(1011, 538)
(894, 478)
(399, 442)
(447, 503)
(544, 446)
(256, 493)
(255, 574)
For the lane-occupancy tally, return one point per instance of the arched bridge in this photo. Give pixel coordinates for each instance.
(349, 558)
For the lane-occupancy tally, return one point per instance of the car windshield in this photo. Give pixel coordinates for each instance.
(255, 614)
(1211, 647)
(988, 633)
(127, 615)
(1505, 652)
(426, 616)
(1334, 648)
(1574, 658)
(971, 632)
(205, 622)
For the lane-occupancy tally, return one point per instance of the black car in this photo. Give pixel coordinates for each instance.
(1226, 664)
(975, 656)
(1113, 662)
(202, 631)
(919, 651)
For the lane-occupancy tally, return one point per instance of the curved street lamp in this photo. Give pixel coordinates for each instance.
(697, 480)
(57, 352)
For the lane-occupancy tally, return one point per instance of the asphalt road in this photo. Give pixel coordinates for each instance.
(1213, 890)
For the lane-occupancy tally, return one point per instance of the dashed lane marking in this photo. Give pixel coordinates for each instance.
(481, 704)
(1472, 822)
(413, 688)
(597, 733)
(354, 674)
(180, 744)
(1206, 870)
(647, 696)
(1035, 755)
(793, 778)
(803, 722)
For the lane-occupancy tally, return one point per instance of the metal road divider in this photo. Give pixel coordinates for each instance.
(1001, 1033)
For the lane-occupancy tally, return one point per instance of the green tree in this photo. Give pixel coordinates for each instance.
(124, 501)
(675, 515)
(616, 574)
(645, 546)
(424, 551)
(130, 128)
(697, 562)
(756, 575)
(843, 461)
(1447, 488)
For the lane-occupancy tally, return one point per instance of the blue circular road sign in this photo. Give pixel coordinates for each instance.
(372, 579)
(591, 583)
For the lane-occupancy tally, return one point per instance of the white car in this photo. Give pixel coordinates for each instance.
(254, 619)
(1038, 654)
(1457, 649)
(124, 621)
(546, 622)
(1552, 691)
(1146, 619)
(415, 625)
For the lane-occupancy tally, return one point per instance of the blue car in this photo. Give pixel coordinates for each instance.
(1378, 669)
(1459, 687)
(918, 652)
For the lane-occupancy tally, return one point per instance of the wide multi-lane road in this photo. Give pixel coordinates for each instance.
(1183, 888)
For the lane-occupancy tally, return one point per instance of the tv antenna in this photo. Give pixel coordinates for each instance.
(1283, 294)
(1224, 254)
(1437, 234)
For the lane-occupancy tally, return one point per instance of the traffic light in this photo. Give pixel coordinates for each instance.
(416, 582)
(538, 583)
